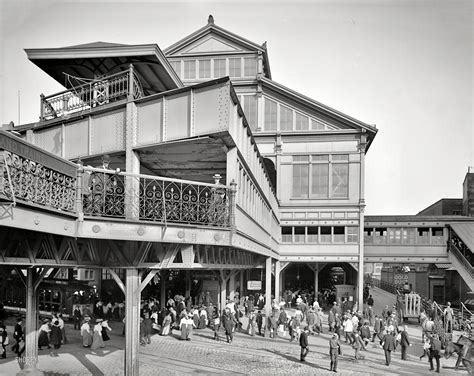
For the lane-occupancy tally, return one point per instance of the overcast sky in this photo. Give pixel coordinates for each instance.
(404, 66)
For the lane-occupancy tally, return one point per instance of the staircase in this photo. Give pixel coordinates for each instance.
(462, 265)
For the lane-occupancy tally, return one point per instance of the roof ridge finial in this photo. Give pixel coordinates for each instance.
(264, 45)
(210, 20)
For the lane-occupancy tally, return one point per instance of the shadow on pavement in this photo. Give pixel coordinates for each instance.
(295, 359)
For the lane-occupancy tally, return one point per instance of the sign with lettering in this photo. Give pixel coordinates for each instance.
(254, 285)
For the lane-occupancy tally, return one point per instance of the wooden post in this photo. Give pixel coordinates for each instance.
(242, 284)
(232, 287)
(132, 322)
(277, 281)
(163, 275)
(316, 280)
(31, 338)
(223, 283)
(268, 286)
(187, 284)
(360, 283)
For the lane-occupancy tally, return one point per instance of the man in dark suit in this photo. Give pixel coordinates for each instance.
(17, 335)
(434, 352)
(404, 342)
(334, 351)
(389, 345)
(304, 343)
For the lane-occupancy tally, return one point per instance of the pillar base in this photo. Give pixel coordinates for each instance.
(29, 371)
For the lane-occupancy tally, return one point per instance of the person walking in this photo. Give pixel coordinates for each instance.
(77, 317)
(56, 336)
(304, 344)
(186, 325)
(357, 345)
(229, 324)
(388, 345)
(86, 332)
(378, 328)
(105, 328)
(43, 337)
(97, 340)
(3, 342)
(435, 352)
(426, 347)
(404, 342)
(216, 322)
(448, 318)
(63, 329)
(17, 335)
(334, 351)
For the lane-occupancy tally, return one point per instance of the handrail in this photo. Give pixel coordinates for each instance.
(460, 257)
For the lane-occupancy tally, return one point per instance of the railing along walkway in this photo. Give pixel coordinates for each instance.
(106, 193)
(461, 258)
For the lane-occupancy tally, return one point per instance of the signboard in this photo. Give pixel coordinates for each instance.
(254, 285)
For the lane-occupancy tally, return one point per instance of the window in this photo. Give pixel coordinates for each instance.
(270, 115)
(339, 234)
(352, 234)
(302, 122)
(189, 69)
(219, 68)
(235, 67)
(250, 67)
(300, 176)
(325, 234)
(408, 236)
(250, 109)
(423, 235)
(177, 67)
(286, 118)
(395, 235)
(312, 234)
(328, 176)
(316, 125)
(286, 233)
(380, 235)
(300, 234)
(368, 235)
(204, 68)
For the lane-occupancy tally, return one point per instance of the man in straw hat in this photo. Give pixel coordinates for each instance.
(334, 351)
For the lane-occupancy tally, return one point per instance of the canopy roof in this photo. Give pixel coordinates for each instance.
(92, 60)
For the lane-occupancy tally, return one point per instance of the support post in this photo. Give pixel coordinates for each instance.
(163, 275)
(277, 281)
(360, 284)
(316, 280)
(242, 284)
(188, 284)
(132, 322)
(232, 287)
(223, 283)
(31, 338)
(268, 286)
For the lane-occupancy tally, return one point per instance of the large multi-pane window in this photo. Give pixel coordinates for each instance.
(219, 68)
(250, 67)
(250, 109)
(302, 122)
(189, 69)
(319, 234)
(177, 67)
(271, 109)
(235, 69)
(321, 176)
(286, 118)
(204, 68)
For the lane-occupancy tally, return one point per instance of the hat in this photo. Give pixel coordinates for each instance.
(106, 158)
(87, 318)
(45, 320)
(99, 320)
(335, 335)
(56, 323)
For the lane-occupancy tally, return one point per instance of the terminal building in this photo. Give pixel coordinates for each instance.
(216, 178)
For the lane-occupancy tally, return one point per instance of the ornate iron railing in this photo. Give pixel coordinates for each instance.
(95, 93)
(32, 176)
(107, 193)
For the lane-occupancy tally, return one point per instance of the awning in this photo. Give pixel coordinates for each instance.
(443, 266)
(466, 232)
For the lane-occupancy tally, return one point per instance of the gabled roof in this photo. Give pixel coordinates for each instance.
(92, 60)
(217, 36)
(321, 108)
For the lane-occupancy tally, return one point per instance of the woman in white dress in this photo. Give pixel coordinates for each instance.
(97, 340)
(86, 332)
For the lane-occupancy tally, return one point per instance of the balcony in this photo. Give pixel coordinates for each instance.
(90, 95)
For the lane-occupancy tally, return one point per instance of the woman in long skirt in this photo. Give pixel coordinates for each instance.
(56, 335)
(86, 332)
(105, 327)
(186, 325)
(43, 338)
(97, 340)
(166, 325)
(216, 322)
(202, 318)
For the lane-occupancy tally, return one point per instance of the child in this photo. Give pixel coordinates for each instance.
(426, 347)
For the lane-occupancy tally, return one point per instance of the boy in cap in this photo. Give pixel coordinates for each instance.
(304, 343)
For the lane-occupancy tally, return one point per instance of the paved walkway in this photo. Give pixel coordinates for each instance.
(245, 356)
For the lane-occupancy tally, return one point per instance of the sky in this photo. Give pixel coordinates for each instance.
(405, 66)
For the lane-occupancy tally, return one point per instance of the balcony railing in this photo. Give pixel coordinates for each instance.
(93, 94)
(32, 176)
(155, 199)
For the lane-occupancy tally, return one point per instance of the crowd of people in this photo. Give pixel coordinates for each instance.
(293, 320)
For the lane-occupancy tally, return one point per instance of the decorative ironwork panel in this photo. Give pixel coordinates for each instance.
(31, 182)
(155, 199)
